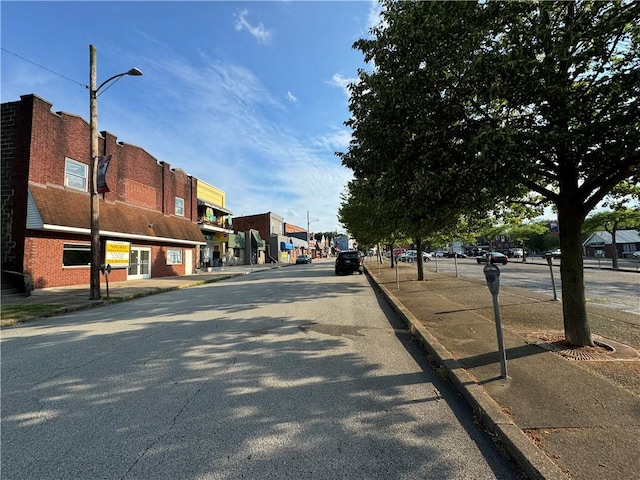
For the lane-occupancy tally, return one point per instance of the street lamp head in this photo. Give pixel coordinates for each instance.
(134, 72)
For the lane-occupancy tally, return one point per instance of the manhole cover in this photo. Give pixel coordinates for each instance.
(605, 350)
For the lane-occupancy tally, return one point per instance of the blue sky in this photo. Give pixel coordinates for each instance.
(247, 96)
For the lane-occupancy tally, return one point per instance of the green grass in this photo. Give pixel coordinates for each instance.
(16, 311)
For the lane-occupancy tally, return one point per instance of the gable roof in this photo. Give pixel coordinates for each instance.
(64, 210)
(622, 236)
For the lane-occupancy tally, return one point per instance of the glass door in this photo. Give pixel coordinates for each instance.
(139, 263)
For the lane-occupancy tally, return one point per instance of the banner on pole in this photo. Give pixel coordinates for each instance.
(103, 165)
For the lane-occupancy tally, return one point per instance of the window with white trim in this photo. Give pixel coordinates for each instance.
(179, 207)
(76, 174)
(174, 256)
(76, 254)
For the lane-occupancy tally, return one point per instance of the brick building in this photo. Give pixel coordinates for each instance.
(281, 247)
(150, 211)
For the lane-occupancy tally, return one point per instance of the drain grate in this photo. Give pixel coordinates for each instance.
(604, 350)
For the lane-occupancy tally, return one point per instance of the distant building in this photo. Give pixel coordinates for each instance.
(341, 242)
(280, 246)
(215, 222)
(600, 244)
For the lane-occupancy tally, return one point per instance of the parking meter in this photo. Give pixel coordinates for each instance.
(549, 258)
(492, 274)
(106, 270)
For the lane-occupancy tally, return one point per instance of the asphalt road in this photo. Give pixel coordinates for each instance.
(288, 373)
(603, 286)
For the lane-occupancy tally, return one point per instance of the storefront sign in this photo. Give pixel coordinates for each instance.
(116, 254)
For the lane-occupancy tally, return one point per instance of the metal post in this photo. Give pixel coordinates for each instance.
(501, 350)
(553, 280)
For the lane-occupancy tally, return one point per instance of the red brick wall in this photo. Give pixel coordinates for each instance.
(260, 222)
(134, 177)
(54, 137)
(43, 262)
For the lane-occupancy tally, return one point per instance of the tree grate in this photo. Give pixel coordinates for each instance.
(605, 350)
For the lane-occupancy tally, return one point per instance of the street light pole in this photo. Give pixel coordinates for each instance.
(94, 280)
(309, 233)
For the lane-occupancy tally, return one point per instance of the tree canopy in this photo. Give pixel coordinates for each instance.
(470, 107)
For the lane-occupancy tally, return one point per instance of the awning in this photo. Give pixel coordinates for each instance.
(215, 207)
(287, 246)
(256, 241)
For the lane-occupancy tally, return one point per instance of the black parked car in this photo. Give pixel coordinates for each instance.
(496, 257)
(349, 262)
(454, 255)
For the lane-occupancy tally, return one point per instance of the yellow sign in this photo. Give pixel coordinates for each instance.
(116, 254)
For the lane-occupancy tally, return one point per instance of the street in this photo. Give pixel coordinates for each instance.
(606, 287)
(287, 373)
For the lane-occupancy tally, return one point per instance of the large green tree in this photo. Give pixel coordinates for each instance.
(496, 99)
(565, 87)
(409, 135)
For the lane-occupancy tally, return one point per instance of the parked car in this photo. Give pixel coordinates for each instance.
(554, 253)
(496, 257)
(516, 253)
(303, 259)
(455, 255)
(412, 256)
(349, 262)
(636, 255)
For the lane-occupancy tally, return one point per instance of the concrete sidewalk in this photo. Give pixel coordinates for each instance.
(561, 413)
(76, 297)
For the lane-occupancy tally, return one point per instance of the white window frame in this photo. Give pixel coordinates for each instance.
(174, 256)
(179, 207)
(81, 174)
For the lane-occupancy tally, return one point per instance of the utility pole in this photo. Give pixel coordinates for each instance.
(94, 287)
(94, 278)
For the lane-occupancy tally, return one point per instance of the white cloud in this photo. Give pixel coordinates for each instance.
(259, 32)
(338, 140)
(339, 81)
(374, 13)
(215, 121)
(291, 97)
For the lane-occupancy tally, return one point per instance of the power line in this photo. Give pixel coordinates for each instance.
(43, 67)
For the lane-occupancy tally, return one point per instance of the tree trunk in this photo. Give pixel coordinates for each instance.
(574, 304)
(418, 242)
(614, 249)
(393, 258)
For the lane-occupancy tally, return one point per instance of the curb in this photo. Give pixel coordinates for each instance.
(535, 464)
